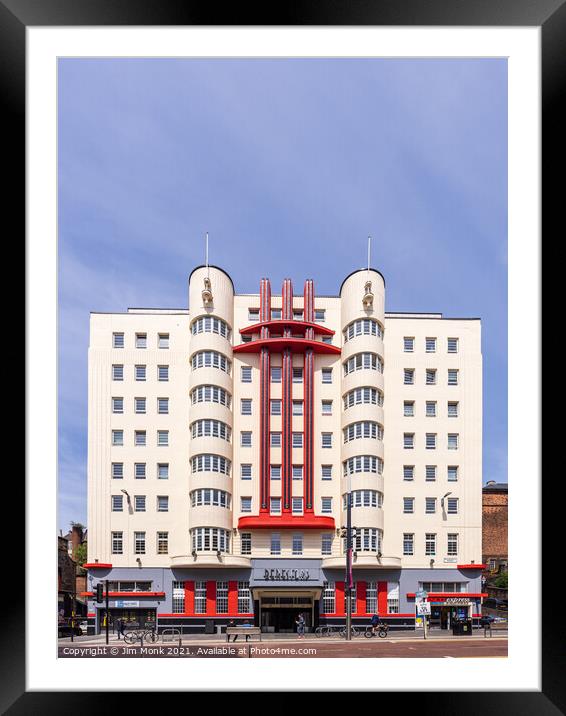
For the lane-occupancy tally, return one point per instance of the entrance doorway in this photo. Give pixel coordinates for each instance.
(277, 614)
(144, 618)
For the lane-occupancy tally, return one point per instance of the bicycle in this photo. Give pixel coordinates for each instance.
(141, 635)
(354, 631)
(379, 630)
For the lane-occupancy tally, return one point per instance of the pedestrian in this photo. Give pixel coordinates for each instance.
(118, 626)
(300, 622)
(374, 622)
(231, 624)
(246, 624)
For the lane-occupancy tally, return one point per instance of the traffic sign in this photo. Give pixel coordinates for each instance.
(421, 594)
(423, 608)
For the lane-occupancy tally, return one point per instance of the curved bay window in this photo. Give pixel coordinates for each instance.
(210, 539)
(211, 324)
(210, 394)
(363, 463)
(363, 361)
(211, 359)
(365, 395)
(363, 327)
(211, 429)
(205, 496)
(363, 429)
(210, 463)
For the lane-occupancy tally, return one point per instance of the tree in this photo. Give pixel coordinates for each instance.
(501, 580)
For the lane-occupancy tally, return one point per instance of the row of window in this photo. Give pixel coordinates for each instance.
(201, 598)
(140, 406)
(140, 543)
(430, 505)
(276, 314)
(140, 438)
(211, 359)
(329, 598)
(363, 463)
(363, 361)
(452, 473)
(246, 439)
(140, 340)
(430, 345)
(276, 374)
(361, 396)
(139, 503)
(275, 472)
(452, 409)
(430, 376)
(140, 372)
(297, 504)
(247, 403)
(452, 540)
(431, 441)
(140, 470)
(363, 327)
(210, 394)
(211, 324)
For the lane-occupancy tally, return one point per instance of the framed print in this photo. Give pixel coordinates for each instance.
(254, 467)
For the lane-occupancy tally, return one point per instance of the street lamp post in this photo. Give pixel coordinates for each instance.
(348, 583)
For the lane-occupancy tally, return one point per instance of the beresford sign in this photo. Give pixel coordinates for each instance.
(286, 575)
(275, 573)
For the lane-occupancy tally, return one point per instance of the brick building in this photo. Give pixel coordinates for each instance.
(494, 526)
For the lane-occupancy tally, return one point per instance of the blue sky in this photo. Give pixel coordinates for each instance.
(289, 165)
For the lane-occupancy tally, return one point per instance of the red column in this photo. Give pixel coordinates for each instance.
(339, 599)
(382, 598)
(211, 597)
(232, 598)
(189, 598)
(361, 597)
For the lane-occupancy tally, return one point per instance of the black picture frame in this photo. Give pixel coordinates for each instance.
(549, 15)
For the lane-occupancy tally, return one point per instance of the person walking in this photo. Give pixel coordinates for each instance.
(118, 627)
(300, 622)
(231, 623)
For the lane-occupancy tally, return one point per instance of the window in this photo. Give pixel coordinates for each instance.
(246, 374)
(430, 505)
(408, 344)
(297, 315)
(371, 597)
(431, 408)
(140, 372)
(319, 314)
(363, 463)
(275, 407)
(297, 375)
(408, 472)
(368, 539)
(163, 406)
(246, 439)
(162, 542)
(117, 405)
(276, 439)
(365, 498)
(210, 394)
(275, 314)
(409, 376)
(139, 503)
(222, 597)
(163, 373)
(327, 375)
(117, 437)
(452, 441)
(246, 504)
(141, 340)
(408, 441)
(326, 440)
(245, 605)
(430, 441)
(139, 470)
(210, 463)
(452, 345)
(430, 473)
(297, 407)
(210, 539)
(275, 505)
(431, 376)
(363, 429)
(326, 503)
(117, 372)
(452, 546)
(246, 406)
(211, 359)
(253, 314)
(117, 503)
(200, 597)
(430, 544)
(246, 339)
(275, 472)
(139, 542)
(297, 544)
(206, 496)
(178, 598)
(408, 544)
(117, 340)
(162, 470)
(452, 506)
(297, 505)
(326, 544)
(210, 324)
(276, 374)
(329, 597)
(297, 472)
(363, 326)
(139, 405)
(162, 503)
(430, 345)
(453, 410)
(326, 472)
(163, 437)
(409, 408)
(211, 428)
(358, 396)
(327, 407)
(246, 543)
(117, 470)
(246, 472)
(452, 377)
(117, 542)
(408, 505)
(297, 440)
(452, 473)
(275, 543)
(163, 340)
(363, 361)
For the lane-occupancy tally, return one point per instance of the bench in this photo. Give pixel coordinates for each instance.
(244, 631)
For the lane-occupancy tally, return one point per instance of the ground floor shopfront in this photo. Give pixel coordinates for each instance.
(272, 592)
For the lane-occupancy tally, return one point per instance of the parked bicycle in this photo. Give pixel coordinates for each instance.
(379, 630)
(141, 635)
(354, 631)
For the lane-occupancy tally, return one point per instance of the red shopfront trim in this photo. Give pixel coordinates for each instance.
(280, 325)
(189, 597)
(210, 598)
(203, 616)
(381, 597)
(96, 565)
(278, 345)
(339, 599)
(305, 522)
(471, 566)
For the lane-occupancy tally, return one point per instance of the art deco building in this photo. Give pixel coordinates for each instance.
(224, 439)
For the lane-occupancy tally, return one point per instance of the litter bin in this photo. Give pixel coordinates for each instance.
(209, 626)
(462, 627)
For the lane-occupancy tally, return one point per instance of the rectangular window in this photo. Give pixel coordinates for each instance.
(275, 407)
(139, 470)
(327, 375)
(162, 470)
(327, 407)
(246, 439)
(319, 314)
(393, 597)
(297, 314)
(329, 597)
(245, 605)
(430, 345)
(430, 473)
(326, 472)
(141, 340)
(139, 405)
(139, 542)
(297, 472)
(431, 409)
(327, 339)
(409, 376)
(408, 472)
(253, 314)
(371, 597)
(117, 437)
(117, 503)
(452, 441)
(409, 408)
(163, 406)
(162, 542)
(297, 544)
(163, 373)
(452, 345)
(408, 544)
(246, 472)
(275, 505)
(430, 544)
(326, 544)
(276, 439)
(246, 543)
(297, 440)
(162, 503)
(117, 542)
(430, 441)
(408, 344)
(430, 505)
(297, 375)
(297, 505)
(117, 340)
(326, 503)
(178, 598)
(326, 440)
(276, 374)
(408, 441)
(163, 340)
(275, 543)
(452, 546)
(431, 376)
(275, 314)
(139, 503)
(246, 406)
(117, 470)
(200, 597)
(297, 407)
(245, 504)
(117, 405)
(246, 374)
(452, 410)
(452, 506)
(163, 438)
(140, 372)
(222, 597)
(275, 472)
(452, 377)
(452, 473)
(408, 505)
(117, 372)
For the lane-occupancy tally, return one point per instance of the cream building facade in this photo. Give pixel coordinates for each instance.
(224, 440)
